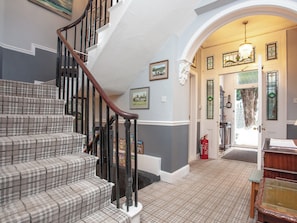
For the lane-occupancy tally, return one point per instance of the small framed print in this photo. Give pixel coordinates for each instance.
(209, 63)
(159, 70)
(271, 51)
(139, 98)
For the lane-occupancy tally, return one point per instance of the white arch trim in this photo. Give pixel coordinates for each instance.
(284, 8)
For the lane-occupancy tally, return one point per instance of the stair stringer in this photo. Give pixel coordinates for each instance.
(141, 33)
(104, 33)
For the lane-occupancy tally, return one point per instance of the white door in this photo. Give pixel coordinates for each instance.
(261, 90)
(272, 115)
(210, 112)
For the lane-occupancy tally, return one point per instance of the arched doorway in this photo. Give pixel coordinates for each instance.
(237, 11)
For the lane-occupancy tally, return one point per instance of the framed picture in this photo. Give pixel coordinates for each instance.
(233, 59)
(62, 8)
(209, 63)
(159, 70)
(139, 98)
(271, 51)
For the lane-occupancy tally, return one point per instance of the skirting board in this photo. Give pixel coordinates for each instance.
(149, 164)
(176, 175)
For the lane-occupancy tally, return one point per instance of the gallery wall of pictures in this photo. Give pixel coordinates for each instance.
(140, 97)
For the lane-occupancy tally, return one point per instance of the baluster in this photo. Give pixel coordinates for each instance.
(117, 176)
(129, 179)
(135, 165)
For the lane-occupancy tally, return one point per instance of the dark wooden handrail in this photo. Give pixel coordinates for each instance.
(98, 88)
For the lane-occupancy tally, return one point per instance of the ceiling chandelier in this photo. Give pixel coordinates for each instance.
(245, 49)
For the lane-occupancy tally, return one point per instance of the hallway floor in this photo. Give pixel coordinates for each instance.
(215, 191)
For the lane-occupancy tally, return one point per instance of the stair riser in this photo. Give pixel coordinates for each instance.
(15, 125)
(21, 180)
(14, 150)
(27, 106)
(21, 89)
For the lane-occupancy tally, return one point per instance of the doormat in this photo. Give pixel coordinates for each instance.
(242, 155)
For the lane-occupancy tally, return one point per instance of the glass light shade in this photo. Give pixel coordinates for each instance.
(245, 50)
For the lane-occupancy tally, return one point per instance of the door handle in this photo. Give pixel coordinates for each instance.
(259, 128)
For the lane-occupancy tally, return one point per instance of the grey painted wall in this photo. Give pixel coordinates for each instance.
(168, 142)
(24, 23)
(24, 67)
(292, 132)
(1, 51)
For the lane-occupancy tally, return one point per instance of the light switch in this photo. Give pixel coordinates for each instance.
(163, 99)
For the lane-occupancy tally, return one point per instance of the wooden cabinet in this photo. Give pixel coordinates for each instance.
(280, 159)
(276, 201)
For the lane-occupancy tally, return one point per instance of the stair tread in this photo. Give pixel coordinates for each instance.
(67, 203)
(25, 89)
(12, 125)
(109, 214)
(31, 105)
(24, 179)
(17, 149)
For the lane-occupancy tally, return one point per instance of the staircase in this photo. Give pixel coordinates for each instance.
(44, 175)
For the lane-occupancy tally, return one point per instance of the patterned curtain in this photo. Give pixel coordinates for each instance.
(250, 101)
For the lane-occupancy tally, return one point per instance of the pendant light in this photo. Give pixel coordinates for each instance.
(245, 49)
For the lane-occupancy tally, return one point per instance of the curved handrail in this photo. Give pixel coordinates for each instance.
(77, 21)
(116, 109)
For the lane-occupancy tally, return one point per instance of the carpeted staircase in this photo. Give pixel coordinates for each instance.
(44, 175)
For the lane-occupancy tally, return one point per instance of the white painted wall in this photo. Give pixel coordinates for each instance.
(24, 23)
(176, 105)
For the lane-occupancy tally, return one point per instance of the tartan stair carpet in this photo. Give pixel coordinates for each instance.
(44, 175)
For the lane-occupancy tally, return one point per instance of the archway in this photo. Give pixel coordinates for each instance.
(284, 9)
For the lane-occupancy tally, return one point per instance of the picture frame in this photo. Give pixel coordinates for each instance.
(233, 59)
(209, 63)
(62, 8)
(158, 70)
(271, 51)
(140, 98)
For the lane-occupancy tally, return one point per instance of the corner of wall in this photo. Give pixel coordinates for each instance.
(176, 175)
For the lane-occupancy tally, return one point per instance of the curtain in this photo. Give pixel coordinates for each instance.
(249, 98)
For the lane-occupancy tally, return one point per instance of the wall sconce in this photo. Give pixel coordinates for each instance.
(228, 104)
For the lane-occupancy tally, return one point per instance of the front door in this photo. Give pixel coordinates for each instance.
(272, 112)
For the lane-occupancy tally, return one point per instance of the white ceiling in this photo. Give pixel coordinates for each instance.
(257, 25)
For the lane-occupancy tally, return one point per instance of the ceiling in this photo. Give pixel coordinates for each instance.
(257, 25)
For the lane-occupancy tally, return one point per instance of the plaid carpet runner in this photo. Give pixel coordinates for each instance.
(44, 175)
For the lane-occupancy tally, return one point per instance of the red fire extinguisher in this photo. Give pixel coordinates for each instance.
(204, 147)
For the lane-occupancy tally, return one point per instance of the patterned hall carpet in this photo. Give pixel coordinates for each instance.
(216, 191)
